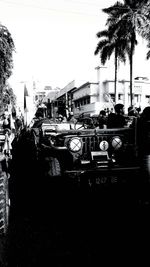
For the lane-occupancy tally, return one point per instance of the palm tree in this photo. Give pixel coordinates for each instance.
(145, 32)
(7, 48)
(129, 18)
(110, 43)
(148, 53)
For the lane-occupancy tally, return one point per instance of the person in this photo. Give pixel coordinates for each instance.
(37, 118)
(64, 119)
(132, 111)
(116, 119)
(60, 118)
(39, 115)
(7, 148)
(143, 128)
(6, 122)
(87, 123)
(72, 118)
(138, 109)
(143, 141)
(102, 119)
(18, 124)
(145, 115)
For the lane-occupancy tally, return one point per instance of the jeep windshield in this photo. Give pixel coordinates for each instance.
(63, 126)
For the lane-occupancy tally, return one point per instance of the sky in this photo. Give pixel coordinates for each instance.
(55, 40)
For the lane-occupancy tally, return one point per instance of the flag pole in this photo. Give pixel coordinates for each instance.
(25, 105)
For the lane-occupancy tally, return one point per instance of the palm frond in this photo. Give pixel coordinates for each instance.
(106, 53)
(103, 33)
(118, 7)
(148, 55)
(101, 44)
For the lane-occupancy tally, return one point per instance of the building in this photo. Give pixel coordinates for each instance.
(40, 90)
(91, 97)
(38, 94)
(64, 100)
(86, 99)
(141, 92)
(49, 100)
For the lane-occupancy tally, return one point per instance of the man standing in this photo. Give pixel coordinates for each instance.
(117, 119)
(102, 119)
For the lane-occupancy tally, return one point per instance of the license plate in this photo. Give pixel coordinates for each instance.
(103, 180)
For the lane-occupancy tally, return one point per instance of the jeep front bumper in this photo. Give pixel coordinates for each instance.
(104, 175)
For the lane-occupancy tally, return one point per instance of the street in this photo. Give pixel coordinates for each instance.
(72, 227)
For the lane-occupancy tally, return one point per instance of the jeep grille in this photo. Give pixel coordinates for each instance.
(91, 143)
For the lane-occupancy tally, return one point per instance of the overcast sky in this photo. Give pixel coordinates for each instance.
(55, 40)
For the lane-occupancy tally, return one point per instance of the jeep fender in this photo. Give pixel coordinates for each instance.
(146, 167)
(59, 159)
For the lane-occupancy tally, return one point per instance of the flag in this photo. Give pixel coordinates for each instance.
(25, 94)
(25, 104)
(12, 124)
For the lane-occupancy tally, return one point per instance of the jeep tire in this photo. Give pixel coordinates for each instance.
(146, 167)
(144, 182)
(4, 203)
(52, 166)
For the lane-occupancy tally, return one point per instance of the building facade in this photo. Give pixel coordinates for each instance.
(91, 97)
(141, 92)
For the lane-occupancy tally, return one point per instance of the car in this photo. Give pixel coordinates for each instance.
(95, 153)
(54, 162)
(85, 155)
(88, 154)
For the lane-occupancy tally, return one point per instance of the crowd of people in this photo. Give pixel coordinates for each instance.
(119, 119)
(115, 118)
(106, 119)
(11, 126)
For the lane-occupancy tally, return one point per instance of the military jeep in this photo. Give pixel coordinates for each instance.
(53, 162)
(91, 155)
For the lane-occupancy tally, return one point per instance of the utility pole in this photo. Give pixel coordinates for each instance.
(99, 82)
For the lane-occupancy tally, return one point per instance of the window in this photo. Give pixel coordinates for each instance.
(88, 99)
(120, 96)
(136, 87)
(112, 97)
(82, 102)
(137, 98)
(147, 99)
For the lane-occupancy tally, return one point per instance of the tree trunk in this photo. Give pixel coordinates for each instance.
(116, 70)
(2, 86)
(1, 98)
(131, 73)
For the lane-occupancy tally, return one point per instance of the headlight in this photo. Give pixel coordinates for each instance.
(116, 142)
(75, 144)
(104, 145)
